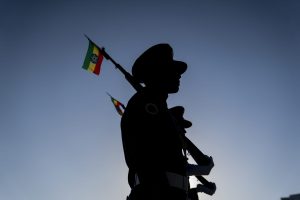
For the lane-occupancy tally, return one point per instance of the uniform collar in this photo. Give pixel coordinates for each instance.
(156, 93)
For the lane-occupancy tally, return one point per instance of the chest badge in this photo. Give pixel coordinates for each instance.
(151, 109)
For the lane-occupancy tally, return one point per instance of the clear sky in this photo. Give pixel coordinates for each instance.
(59, 132)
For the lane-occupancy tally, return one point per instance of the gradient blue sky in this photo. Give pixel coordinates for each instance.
(60, 135)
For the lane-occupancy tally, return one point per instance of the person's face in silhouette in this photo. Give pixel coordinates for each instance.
(167, 82)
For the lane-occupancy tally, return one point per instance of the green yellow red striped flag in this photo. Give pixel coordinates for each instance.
(93, 58)
(118, 105)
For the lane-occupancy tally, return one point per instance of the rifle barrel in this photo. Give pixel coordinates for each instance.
(137, 86)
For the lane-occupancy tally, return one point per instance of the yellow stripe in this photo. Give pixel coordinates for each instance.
(96, 50)
(92, 66)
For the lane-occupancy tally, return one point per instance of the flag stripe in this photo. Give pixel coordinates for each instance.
(87, 59)
(92, 65)
(98, 64)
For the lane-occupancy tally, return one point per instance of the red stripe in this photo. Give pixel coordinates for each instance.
(98, 64)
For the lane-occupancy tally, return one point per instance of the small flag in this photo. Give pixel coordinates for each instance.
(93, 58)
(118, 105)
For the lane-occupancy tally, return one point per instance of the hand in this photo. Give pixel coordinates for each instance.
(210, 190)
(211, 164)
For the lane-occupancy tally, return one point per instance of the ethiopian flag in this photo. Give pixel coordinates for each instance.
(118, 105)
(93, 59)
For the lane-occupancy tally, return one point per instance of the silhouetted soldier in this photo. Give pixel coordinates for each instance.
(151, 141)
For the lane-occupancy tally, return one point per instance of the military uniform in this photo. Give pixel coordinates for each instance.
(152, 145)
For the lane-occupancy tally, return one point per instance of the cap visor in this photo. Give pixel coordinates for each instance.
(180, 66)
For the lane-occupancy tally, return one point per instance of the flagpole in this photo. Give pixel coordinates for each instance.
(108, 94)
(137, 86)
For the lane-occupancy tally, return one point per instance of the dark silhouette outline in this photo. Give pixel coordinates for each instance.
(153, 137)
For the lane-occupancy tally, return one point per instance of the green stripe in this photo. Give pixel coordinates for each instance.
(89, 53)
